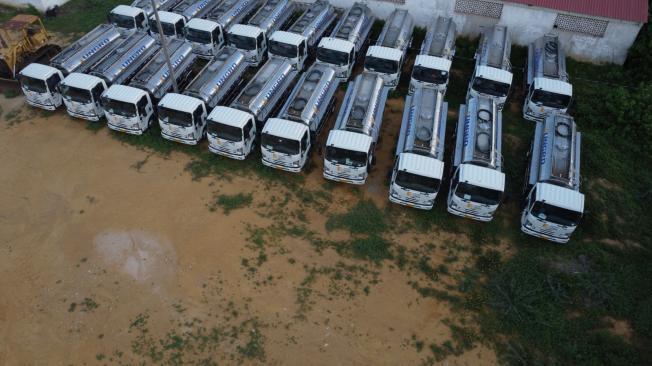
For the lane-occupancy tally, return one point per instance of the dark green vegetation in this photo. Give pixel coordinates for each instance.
(68, 19)
(232, 202)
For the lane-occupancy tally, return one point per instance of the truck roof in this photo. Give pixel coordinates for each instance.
(482, 177)
(168, 17)
(180, 102)
(82, 81)
(229, 116)
(287, 37)
(245, 30)
(38, 71)
(349, 140)
(560, 196)
(385, 53)
(130, 11)
(202, 24)
(492, 73)
(422, 165)
(336, 44)
(124, 93)
(554, 85)
(284, 128)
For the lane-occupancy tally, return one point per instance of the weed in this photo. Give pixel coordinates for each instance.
(232, 202)
(363, 218)
(374, 248)
(10, 93)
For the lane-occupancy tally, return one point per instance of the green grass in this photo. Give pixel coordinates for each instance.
(363, 218)
(373, 248)
(229, 203)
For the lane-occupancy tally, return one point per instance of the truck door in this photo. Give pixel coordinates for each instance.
(198, 118)
(140, 22)
(218, 39)
(305, 148)
(249, 135)
(143, 112)
(52, 83)
(96, 93)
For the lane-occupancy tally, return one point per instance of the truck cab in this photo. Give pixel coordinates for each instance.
(339, 54)
(547, 85)
(206, 37)
(349, 157)
(416, 180)
(127, 109)
(182, 118)
(231, 132)
(128, 19)
(285, 144)
(475, 192)
(387, 62)
(40, 83)
(82, 96)
(250, 40)
(171, 23)
(289, 46)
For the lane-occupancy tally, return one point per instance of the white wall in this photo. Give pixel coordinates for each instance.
(41, 5)
(525, 23)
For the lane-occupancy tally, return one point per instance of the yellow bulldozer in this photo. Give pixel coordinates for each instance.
(23, 40)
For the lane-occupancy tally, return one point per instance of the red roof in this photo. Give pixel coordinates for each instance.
(631, 10)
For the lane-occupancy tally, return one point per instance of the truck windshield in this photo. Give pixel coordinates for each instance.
(552, 100)
(225, 132)
(242, 42)
(332, 57)
(352, 158)
(32, 84)
(427, 75)
(381, 65)
(555, 214)
(482, 195)
(122, 21)
(76, 94)
(417, 182)
(175, 117)
(168, 28)
(282, 49)
(490, 87)
(280, 144)
(199, 36)
(118, 107)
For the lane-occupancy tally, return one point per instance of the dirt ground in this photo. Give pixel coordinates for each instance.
(110, 255)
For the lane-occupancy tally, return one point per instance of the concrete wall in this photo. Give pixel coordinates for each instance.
(525, 23)
(41, 5)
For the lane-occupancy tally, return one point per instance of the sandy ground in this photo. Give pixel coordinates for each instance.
(109, 255)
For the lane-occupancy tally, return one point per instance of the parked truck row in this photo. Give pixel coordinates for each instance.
(119, 71)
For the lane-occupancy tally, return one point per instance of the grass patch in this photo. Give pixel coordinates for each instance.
(373, 248)
(363, 218)
(232, 202)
